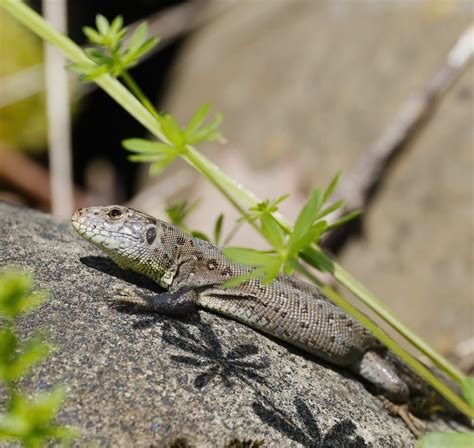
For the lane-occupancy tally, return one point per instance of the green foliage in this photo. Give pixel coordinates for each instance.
(160, 155)
(29, 421)
(109, 54)
(16, 297)
(446, 439)
(286, 245)
(468, 390)
(179, 211)
(264, 207)
(218, 229)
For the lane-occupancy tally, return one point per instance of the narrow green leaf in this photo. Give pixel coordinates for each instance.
(446, 440)
(102, 24)
(81, 68)
(92, 35)
(468, 390)
(117, 24)
(344, 219)
(33, 351)
(218, 229)
(325, 211)
(200, 235)
(330, 188)
(94, 73)
(138, 37)
(306, 217)
(249, 257)
(143, 146)
(272, 270)
(147, 46)
(272, 231)
(236, 281)
(147, 158)
(178, 211)
(157, 167)
(47, 404)
(311, 235)
(290, 264)
(208, 133)
(97, 56)
(15, 295)
(121, 34)
(171, 129)
(131, 57)
(277, 201)
(198, 119)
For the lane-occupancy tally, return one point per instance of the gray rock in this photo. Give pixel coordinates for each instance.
(146, 380)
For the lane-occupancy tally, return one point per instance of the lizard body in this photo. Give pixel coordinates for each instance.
(193, 272)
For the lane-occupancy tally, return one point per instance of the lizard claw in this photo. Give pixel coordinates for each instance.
(414, 424)
(124, 297)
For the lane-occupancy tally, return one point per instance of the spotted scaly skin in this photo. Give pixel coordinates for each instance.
(194, 271)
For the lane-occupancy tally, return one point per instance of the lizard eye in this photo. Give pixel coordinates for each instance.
(151, 235)
(115, 213)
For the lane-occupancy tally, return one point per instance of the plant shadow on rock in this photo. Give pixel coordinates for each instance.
(307, 432)
(205, 352)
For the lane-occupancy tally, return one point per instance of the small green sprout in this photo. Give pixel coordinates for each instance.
(109, 54)
(26, 420)
(179, 211)
(160, 155)
(286, 245)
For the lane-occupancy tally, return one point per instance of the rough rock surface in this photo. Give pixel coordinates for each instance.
(145, 380)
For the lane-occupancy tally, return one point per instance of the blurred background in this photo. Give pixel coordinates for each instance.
(381, 90)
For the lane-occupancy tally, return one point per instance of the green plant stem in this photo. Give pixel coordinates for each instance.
(391, 344)
(240, 198)
(230, 236)
(138, 92)
(321, 259)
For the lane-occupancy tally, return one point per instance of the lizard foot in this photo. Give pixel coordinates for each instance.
(123, 297)
(414, 424)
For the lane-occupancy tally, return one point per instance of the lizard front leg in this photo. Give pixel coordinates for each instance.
(170, 303)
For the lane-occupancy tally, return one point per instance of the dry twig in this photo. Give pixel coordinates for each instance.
(359, 186)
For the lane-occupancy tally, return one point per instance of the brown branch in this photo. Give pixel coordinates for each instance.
(32, 180)
(360, 185)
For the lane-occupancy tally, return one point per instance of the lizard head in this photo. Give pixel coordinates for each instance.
(128, 236)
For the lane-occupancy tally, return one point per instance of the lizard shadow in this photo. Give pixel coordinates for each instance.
(306, 430)
(106, 265)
